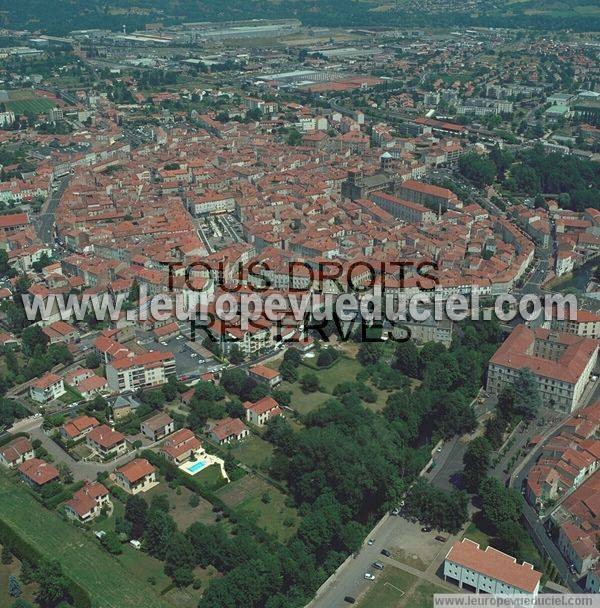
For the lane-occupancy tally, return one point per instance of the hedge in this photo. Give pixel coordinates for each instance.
(26, 552)
(66, 494)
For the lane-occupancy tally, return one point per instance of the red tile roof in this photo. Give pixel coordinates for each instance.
(38, 471)
(136, 469)
(495, 564)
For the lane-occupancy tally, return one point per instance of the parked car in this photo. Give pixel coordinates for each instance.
(396, 511)
(386, 553)
(426, 529)
(378, 565)
(441, 538)
(349, 599)
(369, 576)
(371, 541)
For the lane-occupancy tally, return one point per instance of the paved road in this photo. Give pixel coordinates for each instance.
(540, 534)
(81, 470)
(45, 220)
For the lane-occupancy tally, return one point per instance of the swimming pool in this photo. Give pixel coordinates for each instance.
(194, 467)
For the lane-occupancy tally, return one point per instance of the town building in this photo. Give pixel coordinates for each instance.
(47, 388)
(489, 571)
(38, 473)
(561, 364)
(139, 372)
(181, 446)
(263, 410)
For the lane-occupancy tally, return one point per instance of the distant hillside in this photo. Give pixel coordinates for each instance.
(61, 16)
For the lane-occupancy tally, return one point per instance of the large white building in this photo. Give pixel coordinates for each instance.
(561, 363)
(142, 371)
(489, 571)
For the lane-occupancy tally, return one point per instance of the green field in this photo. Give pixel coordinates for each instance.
(389, 589)
(108, 580)
(246, 496)
(36, 105)
(253, 451)
(395, 588)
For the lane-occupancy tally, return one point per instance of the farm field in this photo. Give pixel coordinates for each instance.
(78, 554)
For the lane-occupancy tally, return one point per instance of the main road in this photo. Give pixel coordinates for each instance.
(45, 220)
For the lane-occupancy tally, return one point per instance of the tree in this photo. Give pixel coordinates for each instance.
(27, 574)
(236, 356)
(110, 541)
(477, 169)
(92, 360)
(14, 587)
(500, 504)
(66, 475)
(288, 371)
(527, 399)
(136, 512)
(294, 137)
(233, 380)
(52, 583)
(476, 462)
(33, 336)
(310, 383)
(293, 356)
(369, 353)
(160, 528)
(7, 556)
(406, 358)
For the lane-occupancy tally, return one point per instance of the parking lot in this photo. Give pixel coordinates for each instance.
(190, 364)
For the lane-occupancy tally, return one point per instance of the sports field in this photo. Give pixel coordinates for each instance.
(106, 579)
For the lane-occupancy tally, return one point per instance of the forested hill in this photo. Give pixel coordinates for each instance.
(61, 16)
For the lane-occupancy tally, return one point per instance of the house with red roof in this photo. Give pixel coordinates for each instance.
(47, 388)
(16, 452)
(261, 373)
(104, 441)
(227, 430)
(263, 410)
(181, 446)
(87, 503)
(77, 428)
(136, 476)
(38, 473)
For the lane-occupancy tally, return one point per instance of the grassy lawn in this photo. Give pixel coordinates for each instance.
(253, 451)
(477, 535)
(37, 105)
(210, 477)
(181, 510)
(246, 497)
(109, 581)
(422, 596)
(344, 370)
(389, 589)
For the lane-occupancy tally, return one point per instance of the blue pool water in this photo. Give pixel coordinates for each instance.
(194, 468)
